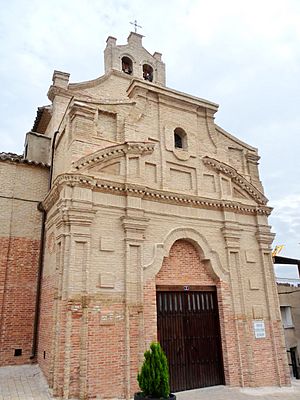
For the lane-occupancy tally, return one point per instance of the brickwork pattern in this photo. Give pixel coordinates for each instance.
(183, 266)
(22, 186)
(247, 362)
(18, 279)
(46, 326)
(106, 353)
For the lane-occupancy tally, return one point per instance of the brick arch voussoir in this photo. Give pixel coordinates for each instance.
(209, 256)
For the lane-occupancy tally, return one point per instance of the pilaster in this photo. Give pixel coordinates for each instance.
(135, 225)
(74, 216)
(265, 239)
(232, 235)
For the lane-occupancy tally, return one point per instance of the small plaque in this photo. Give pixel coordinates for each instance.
(257, 312)
(107, 244)
(259, 329)
(186, 288)
(107, 280)
(250, 256)
(254, 283)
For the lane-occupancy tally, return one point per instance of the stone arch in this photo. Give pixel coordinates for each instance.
(208, 256)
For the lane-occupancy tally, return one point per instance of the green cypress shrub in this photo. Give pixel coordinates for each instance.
(154, 376)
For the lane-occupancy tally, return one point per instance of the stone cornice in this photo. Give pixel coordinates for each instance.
(51, 198)
(252, 157)
(137, 84)
(58, 91)
(239, 142)
(134, 227)
(111, 152)
(83, 109)
(236, 178)
(128, 189)
(265, 237)
(232, 234)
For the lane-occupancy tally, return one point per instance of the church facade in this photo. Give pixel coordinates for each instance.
(152, 225)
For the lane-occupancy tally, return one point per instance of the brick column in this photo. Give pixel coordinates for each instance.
(134, 224)
(70, 311)
(232, 233)
(265, 238)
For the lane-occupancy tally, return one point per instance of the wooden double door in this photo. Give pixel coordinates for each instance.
(189, 333)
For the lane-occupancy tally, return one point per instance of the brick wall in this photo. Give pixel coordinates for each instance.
(183, 266)
(22, 186)
(18, 266)
(247, 361)
(106, 352)
(46, 327)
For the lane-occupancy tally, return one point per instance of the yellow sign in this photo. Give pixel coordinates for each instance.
(277, 250)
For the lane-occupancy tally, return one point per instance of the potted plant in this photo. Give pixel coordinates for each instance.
(154, 376)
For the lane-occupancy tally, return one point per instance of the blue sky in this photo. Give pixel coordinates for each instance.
(243, 55)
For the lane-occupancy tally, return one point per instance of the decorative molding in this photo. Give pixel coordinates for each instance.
(169, 94)
(252, 157)
(181, 154)
(208, 255)
(111, 152)
(107, 280)
(232, 235)
(265, 238)
(51, 198)
(83, 110)
(117, 188)
(135, 227)
(107, 244)
(236, 178)
(58, 91)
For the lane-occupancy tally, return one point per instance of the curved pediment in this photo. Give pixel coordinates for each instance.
(110, 153)
(237, 178)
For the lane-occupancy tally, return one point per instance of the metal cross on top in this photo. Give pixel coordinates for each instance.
(135, 25)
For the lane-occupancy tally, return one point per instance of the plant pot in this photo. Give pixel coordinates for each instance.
(141, 396)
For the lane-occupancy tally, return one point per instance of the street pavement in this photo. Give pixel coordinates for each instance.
(227, 393)
(26, 382)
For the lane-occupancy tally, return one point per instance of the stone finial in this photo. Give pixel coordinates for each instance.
(135, 39)
(111, 41)
(60, 79)
(157, 56)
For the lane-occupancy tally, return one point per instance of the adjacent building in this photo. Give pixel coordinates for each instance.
(289, 298)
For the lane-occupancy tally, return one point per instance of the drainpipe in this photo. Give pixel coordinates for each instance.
(41, 261)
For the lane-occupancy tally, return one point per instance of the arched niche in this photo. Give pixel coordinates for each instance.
(180, 139)
(127, 65)
(147, 72)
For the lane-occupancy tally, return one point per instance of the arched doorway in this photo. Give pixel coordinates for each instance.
(188, 319)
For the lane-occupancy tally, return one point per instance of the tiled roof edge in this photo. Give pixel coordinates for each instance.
(19, 159)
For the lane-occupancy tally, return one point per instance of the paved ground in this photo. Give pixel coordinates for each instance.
(27, 383)
(225, 393)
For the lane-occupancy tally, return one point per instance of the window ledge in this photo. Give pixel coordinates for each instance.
(181, 154)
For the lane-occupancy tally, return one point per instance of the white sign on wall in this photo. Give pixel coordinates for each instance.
(259, 329)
